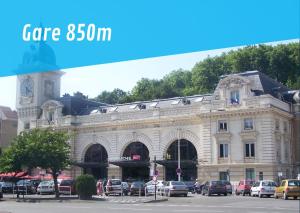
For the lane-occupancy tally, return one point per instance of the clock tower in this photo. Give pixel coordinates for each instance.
(36, 88)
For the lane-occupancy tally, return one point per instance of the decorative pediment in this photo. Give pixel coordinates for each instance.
(223, 136)
(248, 135)
(233, 81)
(51, 104)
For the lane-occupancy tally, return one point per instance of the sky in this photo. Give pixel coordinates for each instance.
(92, 80)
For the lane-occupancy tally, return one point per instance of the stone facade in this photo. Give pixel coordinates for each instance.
(236, 132)
(8, 126)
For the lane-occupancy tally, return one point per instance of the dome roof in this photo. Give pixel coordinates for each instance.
(40, 53)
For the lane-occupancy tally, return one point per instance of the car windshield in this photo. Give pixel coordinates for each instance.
(216, 183)
(177, 183)
(248, 182)
(23, 182)
(137, 184)
(294, 183)
(268, 183)
(46, 183)
(115, 182)
(66, 183)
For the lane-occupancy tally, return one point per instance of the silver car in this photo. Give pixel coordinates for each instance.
(263, 188)
(175, 188)
(46, 187)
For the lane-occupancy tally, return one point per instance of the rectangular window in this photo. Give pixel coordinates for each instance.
(261, 175)
(234, 97)
(248, 124)
(277, 125)
(250, 174)
(249, 150)
(222, 126)
(223, 153)
(285, 126)
(27, 125)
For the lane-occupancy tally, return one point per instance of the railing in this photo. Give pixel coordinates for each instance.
(263, 101)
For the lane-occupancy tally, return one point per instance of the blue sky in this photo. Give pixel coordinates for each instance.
(92, 80)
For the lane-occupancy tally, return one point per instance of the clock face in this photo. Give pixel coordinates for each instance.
(27, 87)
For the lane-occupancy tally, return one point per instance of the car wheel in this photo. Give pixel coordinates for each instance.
(295, 198)
(285, 196)
(185, 195)
(225, 194)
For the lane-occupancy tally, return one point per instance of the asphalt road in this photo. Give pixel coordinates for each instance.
(193, 203)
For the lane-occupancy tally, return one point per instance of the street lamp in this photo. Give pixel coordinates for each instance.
(178, 168)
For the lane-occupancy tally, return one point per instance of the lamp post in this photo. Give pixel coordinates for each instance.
(178, 168)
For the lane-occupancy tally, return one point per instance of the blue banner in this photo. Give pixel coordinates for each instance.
(37, 36)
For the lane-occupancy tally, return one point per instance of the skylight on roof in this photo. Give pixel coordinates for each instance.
(176, 102)
(113, 109)
(154, 104)
(133, 106)
(95, 111)
(199, 99)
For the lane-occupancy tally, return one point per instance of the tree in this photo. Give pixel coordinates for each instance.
(46, 149)
(117, 96)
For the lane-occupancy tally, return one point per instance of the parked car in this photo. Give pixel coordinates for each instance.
(150, 186)
(27, 186)
(1, 193)
(175, 188)
(137, 188)
(214, 187)
(125, 188)
(67, 187)
(46, 187)
(288, 188)
(113, 186)
(190, 185)
(7, 187)
(228, 186)
(263, 188)
(244, 187)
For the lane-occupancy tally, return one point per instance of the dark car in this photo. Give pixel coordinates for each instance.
(7, 187)
(190, 185)
(67, 187)
(137, 188)
(228, 186)
(214, 187)
(244, 187)
(1, 193)
(26, 186)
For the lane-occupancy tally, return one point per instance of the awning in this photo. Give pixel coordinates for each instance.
(174, 163)
(130, 163)
(91, 164)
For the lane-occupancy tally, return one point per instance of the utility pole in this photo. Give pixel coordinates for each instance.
(155, 175)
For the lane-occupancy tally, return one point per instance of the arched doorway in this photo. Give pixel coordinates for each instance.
(188, 161)
(95, 161)
(134, 162)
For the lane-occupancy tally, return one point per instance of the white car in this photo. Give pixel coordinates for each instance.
(263, 188)
(150, 186)
(46, 187)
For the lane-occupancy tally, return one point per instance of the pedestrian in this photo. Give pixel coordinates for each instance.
(99, 187)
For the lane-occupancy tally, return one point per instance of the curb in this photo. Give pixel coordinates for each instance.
(156, 201)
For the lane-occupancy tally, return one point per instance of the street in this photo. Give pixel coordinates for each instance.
(192, 203)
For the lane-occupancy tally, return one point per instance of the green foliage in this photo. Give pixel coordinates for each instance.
(46, 149)
(281, 62)
(85, 186)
